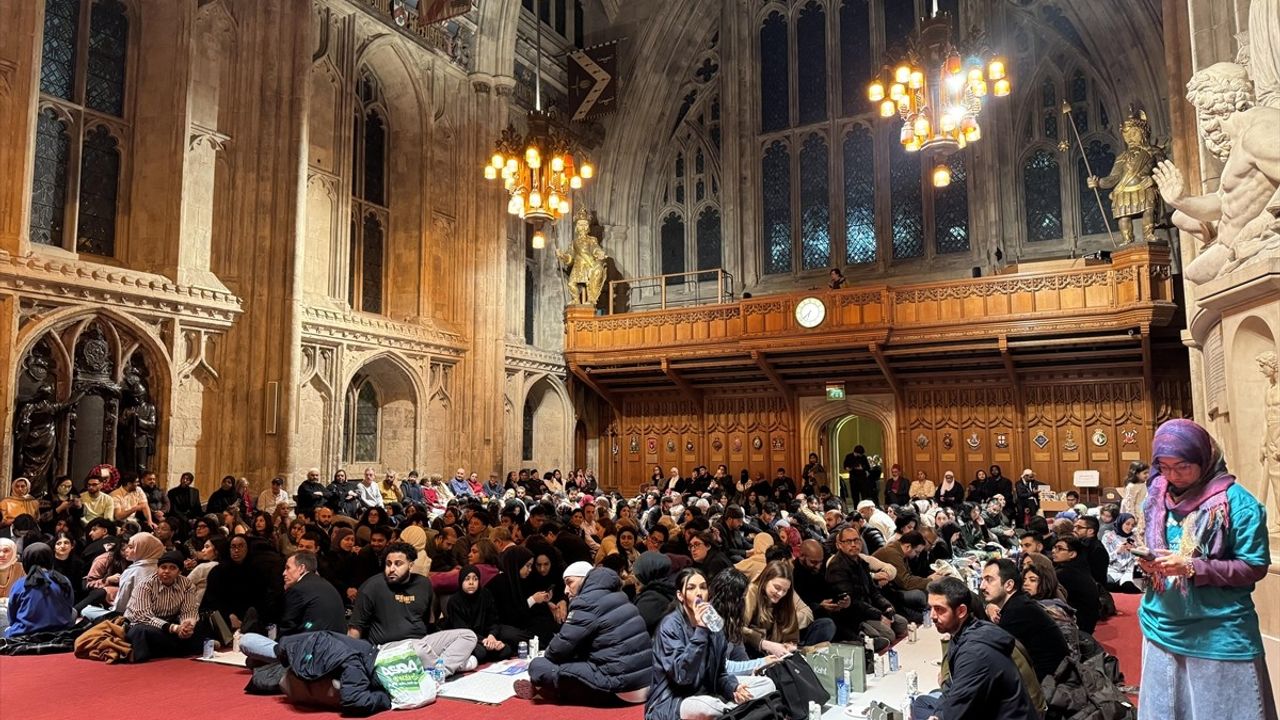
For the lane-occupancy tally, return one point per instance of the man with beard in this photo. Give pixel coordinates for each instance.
(184, 500)
(1022, 617)
(395, 607)
(983, 683)
(866, 611)
(97, 504)
(310, 493)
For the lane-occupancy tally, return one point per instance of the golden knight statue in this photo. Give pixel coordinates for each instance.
(585, 259)
(1135, 193)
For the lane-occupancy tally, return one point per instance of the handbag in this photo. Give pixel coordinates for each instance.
(798, 685)
(769, 707)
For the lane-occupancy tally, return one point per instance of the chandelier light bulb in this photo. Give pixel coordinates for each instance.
(575, 182)
(875, 91)
(897, 91)
(498, 161)
(539, 240)
(941, 176)
(512, 165)
(557, 164)
(490, 172)
(888, 108)
(912, 146)
(565, 207)
(509, 183)
(515, 206)
(921, 126)
(979, 88)
(975, 75)
(907, 135)
(586, 171)
(902, 74)
(535, 199)
(904, 104)
(995, 70)
(947, 122)
(960, 141)
(1002, 87)
(553, 200)
(916, 81)
(973, 134)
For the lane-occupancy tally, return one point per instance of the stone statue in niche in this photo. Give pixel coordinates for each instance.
(1269, 455)
(1242, 215)
(137, 425)
(585, 260)
(35, 426)
(1133, 189)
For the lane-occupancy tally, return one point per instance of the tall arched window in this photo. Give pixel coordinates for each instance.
(818, 136)
(673, 247)
(1041, 187)
(370, 216)
(81, 116)
(363, 422)
(1094, 218)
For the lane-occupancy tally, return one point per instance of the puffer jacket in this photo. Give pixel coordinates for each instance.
(603, 640)
(316, 655)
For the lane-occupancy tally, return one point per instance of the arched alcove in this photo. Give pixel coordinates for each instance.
(551, 414)
(1249, 389)
(380, 417)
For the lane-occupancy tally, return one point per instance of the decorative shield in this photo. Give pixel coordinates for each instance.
(778, 443)
(635, 445)
(1070, 443)
(948, 442)
(717, 445)
(399, 13)
(1002, 440)
(671, 446)
(1099, 438)
(922, 441)
(1041, 440)
(757, 443)
(653, 445)
(974, 442)
(1130, 437)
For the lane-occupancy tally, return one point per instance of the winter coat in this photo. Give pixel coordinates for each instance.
(984, 683)
(687, 661)
(603, 641)
(654, 601)
(846, 575)
(315, 656)
(1082, 592)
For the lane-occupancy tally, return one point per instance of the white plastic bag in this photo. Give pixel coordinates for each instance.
(404, 678)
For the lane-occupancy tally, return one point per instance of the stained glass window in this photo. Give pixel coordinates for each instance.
(375, 159)
(774, 97)
(811, 63)
(859, 196)
(905, 209)
(899, 21)
(855, 55)
(1048, 94)
(99, 186)
(709, 248)
(366, 423)
(776, 205)
(49, 184)
(371, 264)
(108, 47)
(1101, 158)
(530, 303)
(1078, 91)
(815, 210)
(673, 247)
(526, 432)
(58, 56)
(951, 208)
(1042, 193)
(700, 191)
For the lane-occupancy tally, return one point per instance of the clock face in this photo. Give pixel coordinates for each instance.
(810, 312)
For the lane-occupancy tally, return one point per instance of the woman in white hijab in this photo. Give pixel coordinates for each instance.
(143, 550)
(10, 568)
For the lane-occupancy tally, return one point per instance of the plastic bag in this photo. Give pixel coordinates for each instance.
(404, 678)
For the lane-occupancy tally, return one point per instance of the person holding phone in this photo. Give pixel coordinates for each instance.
(1208, 535)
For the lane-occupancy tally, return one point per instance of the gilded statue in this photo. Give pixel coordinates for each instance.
(585, 260)
(1132, 184)
(1242, 213)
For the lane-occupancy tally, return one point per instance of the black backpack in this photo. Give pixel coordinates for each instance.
(1082, 690)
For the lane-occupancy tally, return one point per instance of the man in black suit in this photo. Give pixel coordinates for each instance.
(311, 604)
(1022, 617)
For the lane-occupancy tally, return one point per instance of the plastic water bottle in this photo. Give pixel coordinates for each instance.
(533, 647)
(842, 691)
(815, 711)
(714, 622)
(439, 672)
(913, 684)
(893, 661)
(848, 685)
(235, 642)
(911, 632)
(928, 619)
(208, 649)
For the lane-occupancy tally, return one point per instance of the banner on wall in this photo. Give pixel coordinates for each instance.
(593, 85)
(434, 11)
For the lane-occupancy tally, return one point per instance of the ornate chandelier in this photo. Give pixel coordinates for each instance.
(538, 168)
(938, 92)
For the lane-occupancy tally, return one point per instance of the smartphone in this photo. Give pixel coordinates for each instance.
(1144, 553)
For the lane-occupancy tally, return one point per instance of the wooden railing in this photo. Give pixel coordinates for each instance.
(691, 293)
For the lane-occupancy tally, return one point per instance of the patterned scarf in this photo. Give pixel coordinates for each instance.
(1204, 506)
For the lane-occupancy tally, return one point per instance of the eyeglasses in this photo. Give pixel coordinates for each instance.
(696, 544)
(1169, 469)
(848, 541)
(1059, 548)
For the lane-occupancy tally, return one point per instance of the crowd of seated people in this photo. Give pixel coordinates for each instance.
(615, 590)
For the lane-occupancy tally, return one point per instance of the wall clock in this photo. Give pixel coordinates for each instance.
(810, 312)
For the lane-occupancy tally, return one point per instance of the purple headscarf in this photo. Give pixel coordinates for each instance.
(1185, 440)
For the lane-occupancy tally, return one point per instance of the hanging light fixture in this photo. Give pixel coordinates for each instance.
(938, 91)
(538, 169)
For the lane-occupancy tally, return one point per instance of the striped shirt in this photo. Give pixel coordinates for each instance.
(155, 603)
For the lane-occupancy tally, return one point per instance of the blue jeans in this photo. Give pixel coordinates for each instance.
(258, 647)
(819, 631)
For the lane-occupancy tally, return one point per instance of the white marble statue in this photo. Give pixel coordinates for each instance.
(1242, 214)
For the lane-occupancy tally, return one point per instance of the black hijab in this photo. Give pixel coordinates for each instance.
(471, 611)
(510, 591)
(37, 560)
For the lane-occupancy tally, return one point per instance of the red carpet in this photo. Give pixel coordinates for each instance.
(53, 687)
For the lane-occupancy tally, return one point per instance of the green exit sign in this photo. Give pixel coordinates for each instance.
(835, 391)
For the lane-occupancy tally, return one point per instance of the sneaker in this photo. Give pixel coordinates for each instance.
(524, 690)
(471, 664)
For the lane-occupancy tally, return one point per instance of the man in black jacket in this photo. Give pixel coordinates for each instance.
(1086, 529)
(602, 654)
(184, 500)
(311, 493)
(868, 612)
(984, 682)
(733, 541)
(311, 603)
(1022, 617)
(1073, 575)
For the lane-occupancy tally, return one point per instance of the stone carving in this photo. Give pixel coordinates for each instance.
(1242, 214)
(137, 425)
(1269, 455)
(1133, 190)
(585, 261)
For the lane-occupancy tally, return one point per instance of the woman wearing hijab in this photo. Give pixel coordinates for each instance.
(1119, 542)
(950, 493)
(754, 563)
(472, 608)
(19, 502)
(10, 568)
(1203, 647)
(41, 600)
(142, 551)
(522, 611)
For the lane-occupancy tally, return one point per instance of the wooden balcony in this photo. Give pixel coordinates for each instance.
(1054, 314)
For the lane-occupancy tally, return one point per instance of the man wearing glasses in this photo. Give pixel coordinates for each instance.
(865, 610)
(1073, 575)
(1086, 529)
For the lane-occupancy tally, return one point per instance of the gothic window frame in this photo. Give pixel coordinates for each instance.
(1060, 67)
(368, 104)
(79, 119)
(837, 126)
(351, 421)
